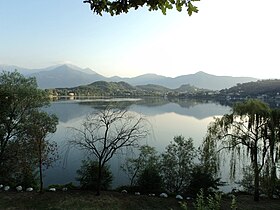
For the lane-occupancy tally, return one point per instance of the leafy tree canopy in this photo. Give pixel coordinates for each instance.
(251, 130)
(177, 162)
(22, 124)
(116, 7)
(133, 167)
(19, 97)
(88, 175)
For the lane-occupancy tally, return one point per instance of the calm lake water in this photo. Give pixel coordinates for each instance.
(168, 119)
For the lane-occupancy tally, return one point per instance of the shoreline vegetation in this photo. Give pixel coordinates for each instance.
(76, 199)
(265, 90)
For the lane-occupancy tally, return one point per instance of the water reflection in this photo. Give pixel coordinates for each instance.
(168, 118)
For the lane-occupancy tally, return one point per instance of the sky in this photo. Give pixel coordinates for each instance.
(235, 38)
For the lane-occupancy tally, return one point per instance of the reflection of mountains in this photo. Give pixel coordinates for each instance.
(192, 108)
(67, 111)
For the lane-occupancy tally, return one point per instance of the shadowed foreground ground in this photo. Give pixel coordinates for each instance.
(112, 201)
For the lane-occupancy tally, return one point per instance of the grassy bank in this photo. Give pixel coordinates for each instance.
(112, 201)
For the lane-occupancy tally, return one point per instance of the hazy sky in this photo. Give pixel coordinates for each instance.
(226, 37)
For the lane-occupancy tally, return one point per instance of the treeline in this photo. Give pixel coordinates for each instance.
(180, 169)
(118, 89)
(270, 88)
(263, 89)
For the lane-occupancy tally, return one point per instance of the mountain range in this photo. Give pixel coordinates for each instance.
(66, 75)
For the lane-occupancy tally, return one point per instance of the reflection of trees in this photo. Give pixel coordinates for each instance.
(101, 104)
(271, 102)
(184, 103)
(152, 102)
(188, 103)
(147, 102)
(69, 110)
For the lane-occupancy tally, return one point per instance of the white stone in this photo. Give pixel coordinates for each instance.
(1, 186)
(137, 193)
(163, 195)
(263, 196)
(29, 189)
(64, 189)
(179, 197)
(275, 196)
(152, 195)
(19, 188)
(52, 189)
(6, 188)
(124, 191)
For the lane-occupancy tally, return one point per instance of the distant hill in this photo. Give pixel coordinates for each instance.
(208, 81)
(100, 88)
(122, 89)
(65, 76)
(71, 76)
(199, 79)
(156, 89)
(23, 71)
(189, 89)
(270, 88)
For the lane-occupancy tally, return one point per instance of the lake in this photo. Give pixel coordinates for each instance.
(188, 118)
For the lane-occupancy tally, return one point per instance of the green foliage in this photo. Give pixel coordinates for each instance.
(200, 202)
(20, 101)
(149, 180)
(254, 89)
(151, 89)
(209, 157)
(183, 205)
(117, 7)
(101, 88)
(106, 132)
(23, 165)
(134, 166)
(247, 181)
(122, 89)
(88, 176)
(38, 126)
(248, 131)
(233, 204)
(143, 171)
(177, 163)
(208, 203)
(202, 180)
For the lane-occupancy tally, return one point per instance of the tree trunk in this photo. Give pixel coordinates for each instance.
(40, 166)
(272, 181)
(273, 175)
(99, 178)
(41, 176)
(257, 177)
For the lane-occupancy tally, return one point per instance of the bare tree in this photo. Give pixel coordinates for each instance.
(106, 132)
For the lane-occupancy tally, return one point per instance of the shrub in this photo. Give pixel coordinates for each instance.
(247, 181)
(150, 180)
(201, 179)
(88, 176)
(208, 203)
